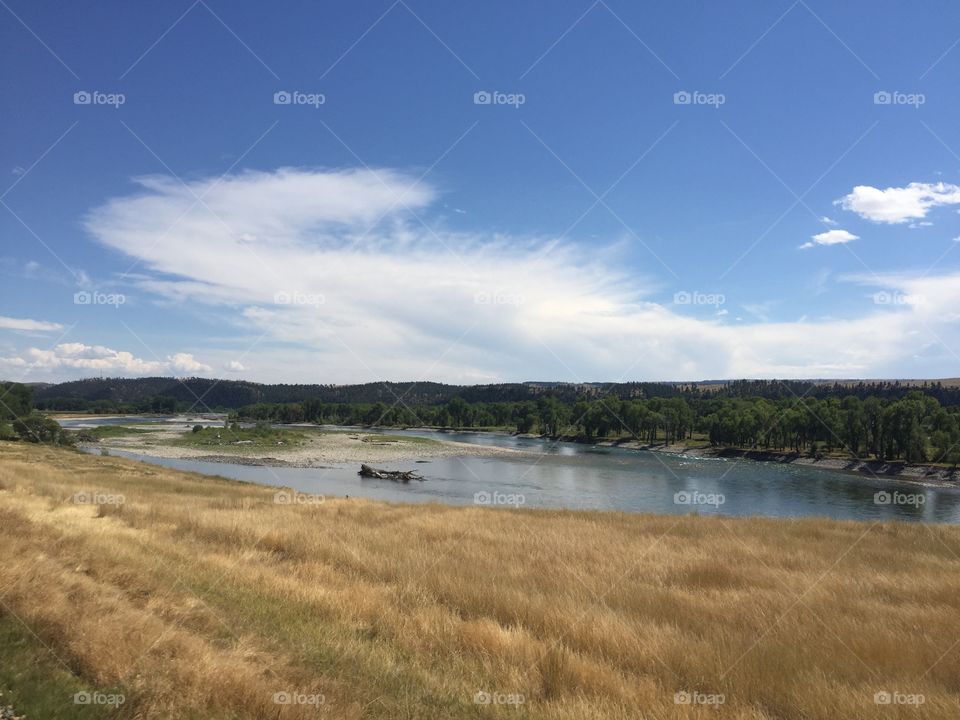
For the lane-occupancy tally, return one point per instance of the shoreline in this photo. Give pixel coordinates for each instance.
(318, 451)
(342, 444)
(920, 473)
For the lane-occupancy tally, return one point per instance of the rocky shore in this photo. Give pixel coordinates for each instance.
(921, 473)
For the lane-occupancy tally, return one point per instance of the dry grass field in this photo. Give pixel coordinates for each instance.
(196, 597)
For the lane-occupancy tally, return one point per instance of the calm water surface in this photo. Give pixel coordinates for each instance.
(568, 475)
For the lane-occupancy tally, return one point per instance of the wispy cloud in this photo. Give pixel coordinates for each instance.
(347, 267)
(27, 325)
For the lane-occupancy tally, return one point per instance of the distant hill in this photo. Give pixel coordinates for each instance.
(206, 393)
(230, 394)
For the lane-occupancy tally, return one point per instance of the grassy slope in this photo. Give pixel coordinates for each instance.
(200, 597)
(34, 681)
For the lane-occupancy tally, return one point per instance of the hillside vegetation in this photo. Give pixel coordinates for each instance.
(167, 394)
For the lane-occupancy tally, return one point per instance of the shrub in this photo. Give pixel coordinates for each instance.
(6, 432)
(36, 427)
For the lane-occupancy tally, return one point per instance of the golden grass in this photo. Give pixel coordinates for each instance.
(200, 597)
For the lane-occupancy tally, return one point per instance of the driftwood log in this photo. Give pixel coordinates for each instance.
(395, 475)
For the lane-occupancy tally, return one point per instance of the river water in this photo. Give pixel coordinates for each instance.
(573, 476)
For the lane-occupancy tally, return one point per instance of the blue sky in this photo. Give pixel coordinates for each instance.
(796, 218)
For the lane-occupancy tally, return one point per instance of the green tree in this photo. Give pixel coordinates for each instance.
(38, 428)
(458, 411)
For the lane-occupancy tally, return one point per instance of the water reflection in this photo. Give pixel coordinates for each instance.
(566, 475)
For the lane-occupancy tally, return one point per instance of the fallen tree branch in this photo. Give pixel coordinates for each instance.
(395, 475)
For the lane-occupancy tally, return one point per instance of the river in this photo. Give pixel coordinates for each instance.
(585, 477)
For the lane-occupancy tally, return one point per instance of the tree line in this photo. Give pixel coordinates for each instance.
(201, 394)
(884, 420)
(915, 428)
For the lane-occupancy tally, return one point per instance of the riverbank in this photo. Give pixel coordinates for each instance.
(156, 585)
(923, 473)
(333, 444)
(313, 447)
(918, 473)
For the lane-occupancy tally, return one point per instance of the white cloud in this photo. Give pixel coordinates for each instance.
(72, 357)
(27, 325)
(234, 366)
(830, 237)
(185, 363)
(346, 286)
(898, 205)
(828, 221)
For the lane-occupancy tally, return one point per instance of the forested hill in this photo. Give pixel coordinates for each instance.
(161, 393)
